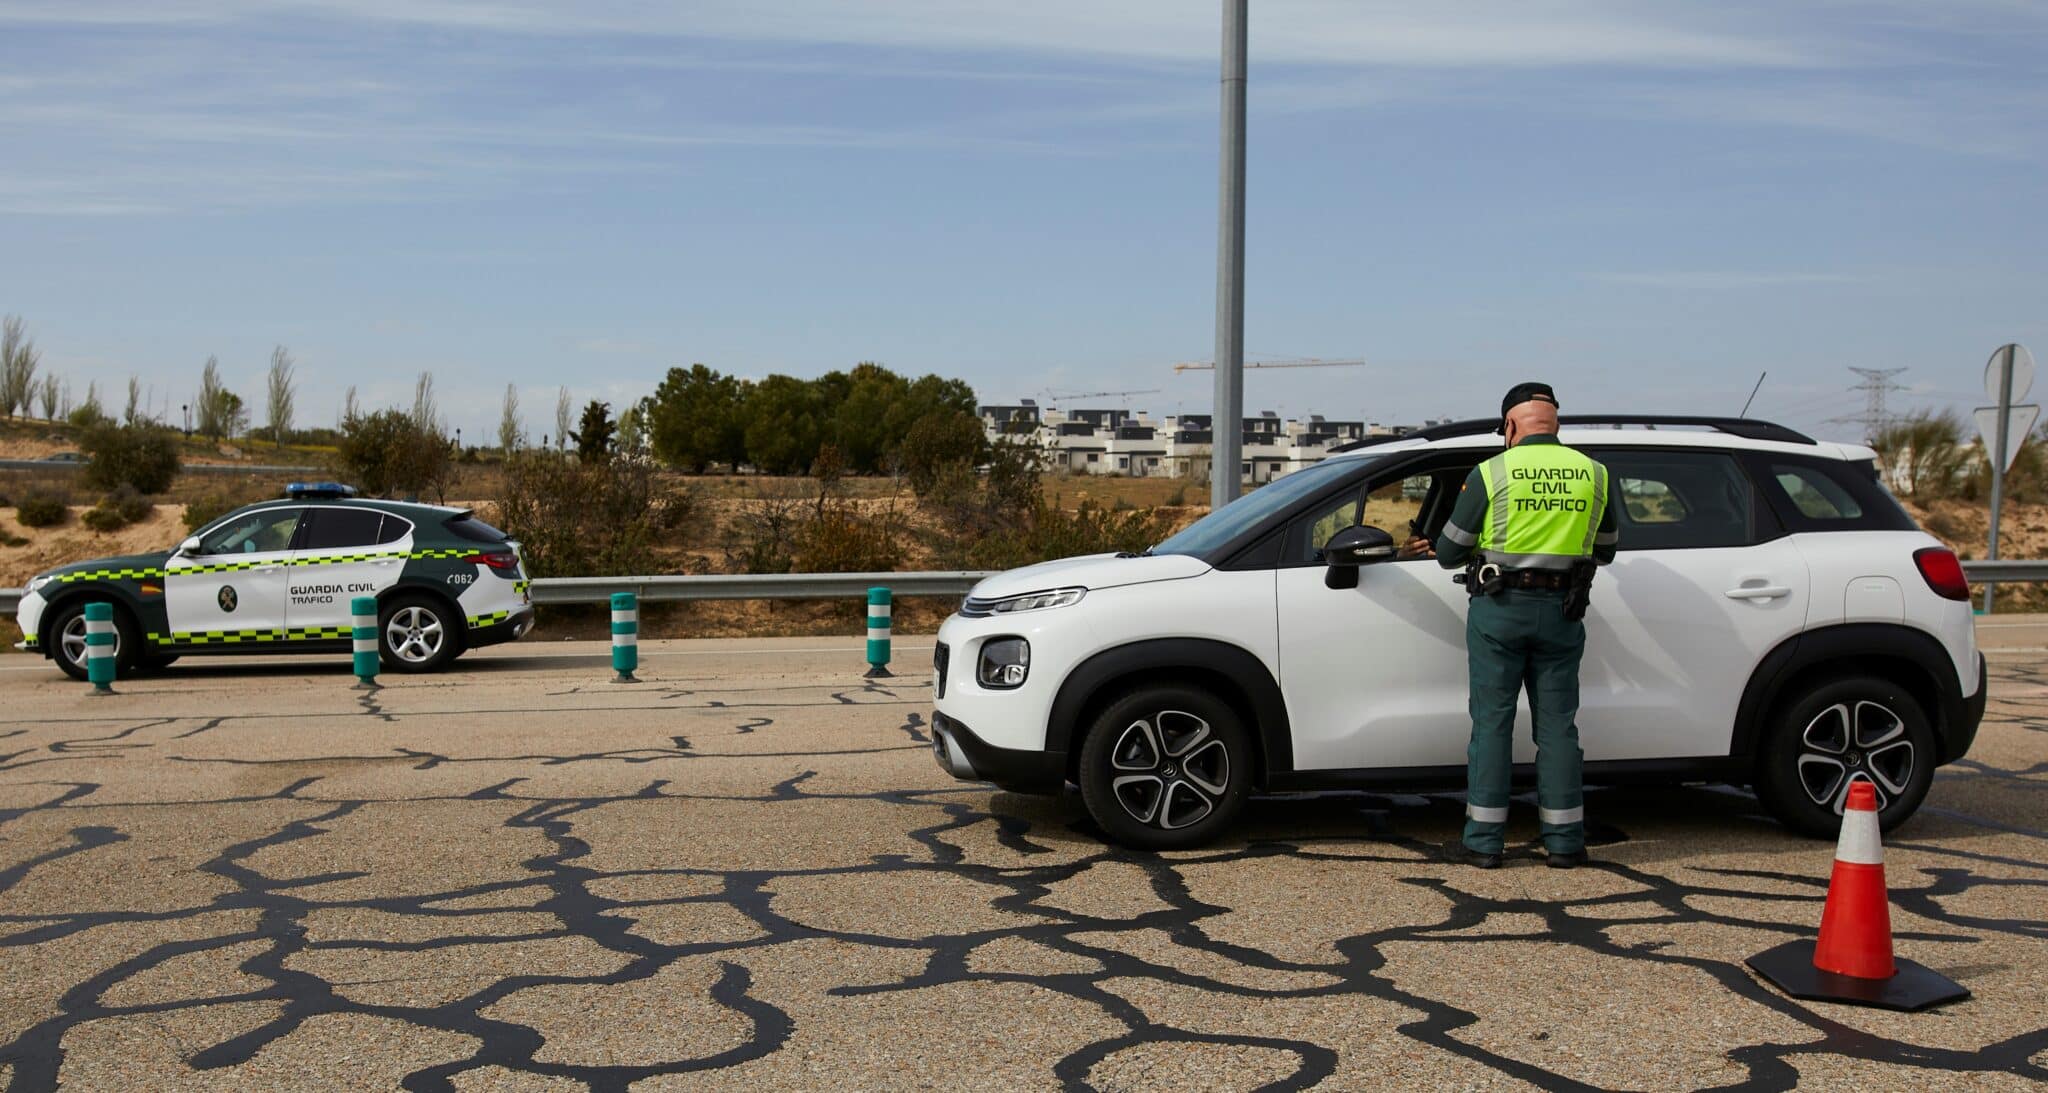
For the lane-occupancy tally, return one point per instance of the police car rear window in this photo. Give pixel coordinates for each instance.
(475, 530)
(334, 528)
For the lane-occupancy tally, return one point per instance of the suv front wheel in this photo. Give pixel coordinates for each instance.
(1165, 768)
(1857, 727)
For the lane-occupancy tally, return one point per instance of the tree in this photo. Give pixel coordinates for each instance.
(594, 434)
(52, 396)
(18, 360)
(511, 435)
(426, 411)
(349, 409)
(220, 410)
(138, 454)
(632, 435)
(575, 519)
(861, 419)
(279, 395)
(386, 454)
(132, 413)
(89, 413)
(781, 416)
(694, 419)
(562, 419)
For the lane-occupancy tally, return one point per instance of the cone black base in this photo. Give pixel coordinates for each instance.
(1789, 967)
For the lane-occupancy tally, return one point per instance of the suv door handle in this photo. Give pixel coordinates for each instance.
(1758, 592)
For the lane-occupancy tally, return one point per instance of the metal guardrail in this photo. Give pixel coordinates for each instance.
(825, 586)
(198, 468)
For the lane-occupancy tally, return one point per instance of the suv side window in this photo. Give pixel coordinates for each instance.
(262, 531)
(1828, 494)
(1677, 500)
(333, 528)
(1414, 502)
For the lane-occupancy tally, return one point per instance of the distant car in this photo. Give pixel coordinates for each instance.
(1774, 618)
(64, 457)
(279, 576)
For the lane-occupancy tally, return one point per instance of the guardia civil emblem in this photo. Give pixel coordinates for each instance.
(226, 598)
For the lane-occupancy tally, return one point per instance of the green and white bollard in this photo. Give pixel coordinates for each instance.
(99, 647)
(625, 636)
(364, 620)
(878, 633)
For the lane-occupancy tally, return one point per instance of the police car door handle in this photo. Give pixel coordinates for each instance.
(1757, 592)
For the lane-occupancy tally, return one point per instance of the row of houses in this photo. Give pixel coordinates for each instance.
(1133, 443)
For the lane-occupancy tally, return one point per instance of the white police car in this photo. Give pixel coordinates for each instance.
(1774, 619)
(279, 577)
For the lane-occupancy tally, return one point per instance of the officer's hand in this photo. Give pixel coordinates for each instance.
(1417, 547)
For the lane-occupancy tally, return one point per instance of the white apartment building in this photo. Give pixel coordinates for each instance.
(1126, 442)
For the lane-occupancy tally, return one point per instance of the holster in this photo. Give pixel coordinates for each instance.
(1579, 595)
(1483, 578)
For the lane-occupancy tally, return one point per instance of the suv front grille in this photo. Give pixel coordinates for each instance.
(940, 655)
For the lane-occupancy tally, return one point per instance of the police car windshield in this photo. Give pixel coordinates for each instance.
(1255, 508)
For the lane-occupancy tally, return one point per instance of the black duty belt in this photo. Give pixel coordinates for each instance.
(1548, 580)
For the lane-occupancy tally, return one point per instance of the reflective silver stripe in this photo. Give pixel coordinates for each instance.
(1459, 535)
(1598, 507)
(1487, 815)
(1607, 538)
(1497, 496)
(1532, 561)
(1562, 815)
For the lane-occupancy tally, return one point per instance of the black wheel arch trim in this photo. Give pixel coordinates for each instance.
(55, 606)
(1852, 646)
(1256, 692)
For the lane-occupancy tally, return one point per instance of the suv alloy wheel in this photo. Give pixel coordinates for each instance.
(418, 634)
(1165, 768)
(1857, 727)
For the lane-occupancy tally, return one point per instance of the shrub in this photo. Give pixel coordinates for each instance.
(389, 454)
(577, 519)
(42, 509)
(143, 457)
(117, 510)
(213, 504)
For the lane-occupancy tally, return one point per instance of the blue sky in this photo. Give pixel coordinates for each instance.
(1645, 203)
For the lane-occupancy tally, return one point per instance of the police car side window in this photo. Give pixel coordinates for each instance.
(332, 529)
(262, 531)
(1665, 500)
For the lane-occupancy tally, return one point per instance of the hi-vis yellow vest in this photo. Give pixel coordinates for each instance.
(1544, 503)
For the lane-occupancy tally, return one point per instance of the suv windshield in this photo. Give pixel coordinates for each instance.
(1252, 510)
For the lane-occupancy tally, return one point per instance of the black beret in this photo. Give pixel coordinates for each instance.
(1527, 392)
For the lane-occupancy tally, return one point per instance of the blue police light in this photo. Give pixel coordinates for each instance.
(318, 491)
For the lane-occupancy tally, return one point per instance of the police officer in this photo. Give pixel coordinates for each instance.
(1529, 528)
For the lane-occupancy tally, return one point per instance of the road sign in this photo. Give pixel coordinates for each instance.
(2022, 372)
(2019, 423)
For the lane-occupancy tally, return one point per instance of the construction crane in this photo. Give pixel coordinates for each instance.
(1292, 362)
(1056, 397)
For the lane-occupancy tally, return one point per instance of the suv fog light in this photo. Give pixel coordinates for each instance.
(1005, 662)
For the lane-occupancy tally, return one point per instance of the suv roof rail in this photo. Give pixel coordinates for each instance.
(1747, 427)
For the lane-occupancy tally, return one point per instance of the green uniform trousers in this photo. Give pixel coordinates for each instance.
(1517, 639)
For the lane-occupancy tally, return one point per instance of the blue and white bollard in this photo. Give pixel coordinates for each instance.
(879, 605)
(99, 647)
(625, 636)
(363, 612)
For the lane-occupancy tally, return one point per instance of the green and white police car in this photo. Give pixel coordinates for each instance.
(279, 577)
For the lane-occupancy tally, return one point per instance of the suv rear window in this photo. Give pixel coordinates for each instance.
(475, 530)
(1829, 495)
(1672, 500)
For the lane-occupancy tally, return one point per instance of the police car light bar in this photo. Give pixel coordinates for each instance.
(302, 491)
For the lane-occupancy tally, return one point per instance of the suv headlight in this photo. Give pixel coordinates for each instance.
(1034, 601)
(36, 583)
(1005, 663)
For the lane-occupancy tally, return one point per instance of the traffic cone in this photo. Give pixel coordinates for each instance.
(1853, 961)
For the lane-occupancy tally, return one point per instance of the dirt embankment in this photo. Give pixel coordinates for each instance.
(72, 541)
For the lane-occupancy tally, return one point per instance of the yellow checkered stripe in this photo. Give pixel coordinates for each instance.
(478, 622)
(519, 587)
(252, 637)
(223, 567)
(444, 552)
(343, 559)
(28, 641)
(110, 575)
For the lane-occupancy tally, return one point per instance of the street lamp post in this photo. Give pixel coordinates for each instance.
(1226, 444)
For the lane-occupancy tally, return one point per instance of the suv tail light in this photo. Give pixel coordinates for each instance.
(1943, 573)
(495, 561)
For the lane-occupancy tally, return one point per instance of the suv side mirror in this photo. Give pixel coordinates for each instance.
(189, 547)
(1357, 546)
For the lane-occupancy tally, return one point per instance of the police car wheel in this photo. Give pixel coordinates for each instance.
(1860, 727)
(418, 634)
(1165, 768)
(69, 647)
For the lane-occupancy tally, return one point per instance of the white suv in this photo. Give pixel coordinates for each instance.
(1774, 619)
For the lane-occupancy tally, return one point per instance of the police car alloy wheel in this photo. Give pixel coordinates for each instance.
(418, 635)
(1165, 768)
(70, 633)
(1848, 729)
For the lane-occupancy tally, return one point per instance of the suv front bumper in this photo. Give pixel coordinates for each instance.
(969, 758)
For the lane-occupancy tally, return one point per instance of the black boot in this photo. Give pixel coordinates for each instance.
(1568, 860)
(1457, 853)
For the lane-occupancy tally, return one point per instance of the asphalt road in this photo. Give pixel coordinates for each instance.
(748, 871)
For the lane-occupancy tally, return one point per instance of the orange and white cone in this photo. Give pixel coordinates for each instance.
(1853, 961)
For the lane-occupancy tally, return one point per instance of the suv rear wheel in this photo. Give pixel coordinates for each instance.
(418, 634)
(1855, 727)
(1165, 768)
